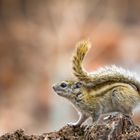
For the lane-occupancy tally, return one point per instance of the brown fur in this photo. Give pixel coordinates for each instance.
(109, 89)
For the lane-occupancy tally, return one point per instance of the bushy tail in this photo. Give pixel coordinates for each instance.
(81, 50)
(102, 75)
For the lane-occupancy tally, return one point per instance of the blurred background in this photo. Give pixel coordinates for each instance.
(37, 38)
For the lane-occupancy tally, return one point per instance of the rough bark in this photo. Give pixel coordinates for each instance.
(113, 126)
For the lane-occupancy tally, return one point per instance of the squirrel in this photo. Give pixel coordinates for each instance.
(108, 89)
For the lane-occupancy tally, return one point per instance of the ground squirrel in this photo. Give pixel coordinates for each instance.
(109, 89)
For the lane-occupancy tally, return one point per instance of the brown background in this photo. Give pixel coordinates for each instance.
(37, 38)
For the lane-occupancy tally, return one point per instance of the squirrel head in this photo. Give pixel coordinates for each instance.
(68, 89)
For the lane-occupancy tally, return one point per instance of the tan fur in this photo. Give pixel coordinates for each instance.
(81, 50)
(109, 89)
(102, 75)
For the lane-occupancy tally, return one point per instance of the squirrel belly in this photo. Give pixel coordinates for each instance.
(109, 89)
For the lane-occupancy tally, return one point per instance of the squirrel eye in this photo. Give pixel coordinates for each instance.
(63, 85)
(78, 85)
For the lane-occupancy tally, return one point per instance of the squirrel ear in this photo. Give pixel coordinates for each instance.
(81, 50)
(78, 85)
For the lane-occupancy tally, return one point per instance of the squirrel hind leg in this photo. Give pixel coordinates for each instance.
(123, 103)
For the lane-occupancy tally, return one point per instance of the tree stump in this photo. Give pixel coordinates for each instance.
(112, 126)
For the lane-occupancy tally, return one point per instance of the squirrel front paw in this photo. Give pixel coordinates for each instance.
(73, 124)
